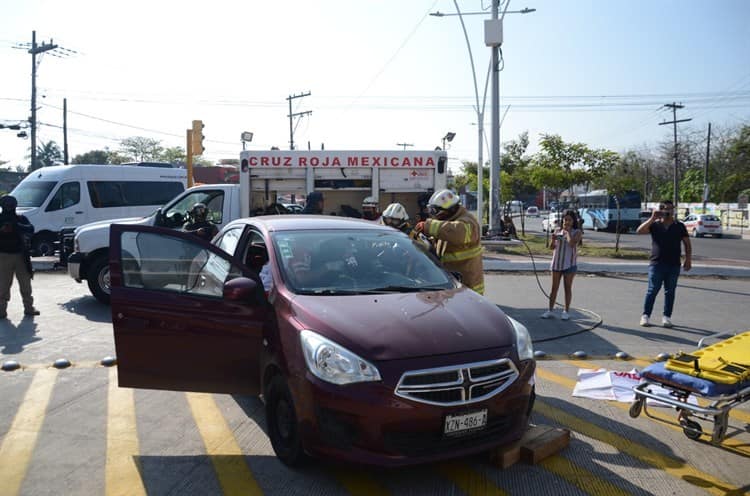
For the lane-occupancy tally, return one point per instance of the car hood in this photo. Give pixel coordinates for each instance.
(406, 325)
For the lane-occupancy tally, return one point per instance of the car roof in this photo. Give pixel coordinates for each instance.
(299, 222)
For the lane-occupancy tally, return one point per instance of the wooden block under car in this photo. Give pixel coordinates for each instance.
(549, 441)
(505, 456)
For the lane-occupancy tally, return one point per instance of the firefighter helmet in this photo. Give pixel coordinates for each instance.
(443, 200)
(395, 215)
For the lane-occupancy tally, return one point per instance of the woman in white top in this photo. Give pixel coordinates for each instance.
(564, 244)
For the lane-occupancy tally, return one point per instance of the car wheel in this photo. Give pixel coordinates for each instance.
(98, 279)
(43, 245)
(283, 427)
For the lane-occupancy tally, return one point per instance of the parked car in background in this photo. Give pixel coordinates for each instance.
(532, 211)
(363, 347)
(698, 225)
(552, 221)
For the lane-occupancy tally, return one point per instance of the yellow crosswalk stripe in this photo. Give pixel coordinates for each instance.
(580, 477)
(19, 442)
(226, 455)
(470, 481)
(359, 484)
(672, 466)
(122, 476)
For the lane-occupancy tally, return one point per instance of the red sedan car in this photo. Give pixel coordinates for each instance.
(363, 347)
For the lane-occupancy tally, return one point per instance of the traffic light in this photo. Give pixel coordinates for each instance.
(197, 138)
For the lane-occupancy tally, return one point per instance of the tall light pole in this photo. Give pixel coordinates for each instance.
(496, 39)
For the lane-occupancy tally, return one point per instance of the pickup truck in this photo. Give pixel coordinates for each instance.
(89, 259)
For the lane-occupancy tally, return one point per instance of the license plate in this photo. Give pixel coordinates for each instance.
(466, 422)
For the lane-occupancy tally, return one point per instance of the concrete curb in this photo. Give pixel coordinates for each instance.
(495, 265)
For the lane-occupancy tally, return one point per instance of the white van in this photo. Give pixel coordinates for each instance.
(68, 196)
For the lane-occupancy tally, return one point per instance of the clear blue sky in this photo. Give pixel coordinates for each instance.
(380, 73)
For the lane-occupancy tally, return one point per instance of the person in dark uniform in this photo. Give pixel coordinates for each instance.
(199, 223)
(314, 204)
(15, 230)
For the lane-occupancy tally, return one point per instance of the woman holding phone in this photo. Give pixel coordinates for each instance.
(564, 245)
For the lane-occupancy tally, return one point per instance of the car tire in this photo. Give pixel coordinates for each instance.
(43, 244)
(283, 426)
(97, 277)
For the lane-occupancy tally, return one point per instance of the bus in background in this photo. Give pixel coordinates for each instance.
(598, 210)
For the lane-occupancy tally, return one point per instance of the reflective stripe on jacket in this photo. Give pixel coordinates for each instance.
(460, 237)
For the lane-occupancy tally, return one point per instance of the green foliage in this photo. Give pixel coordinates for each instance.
(47, 154)
(92, 157)
(173, 155)
(141, 149)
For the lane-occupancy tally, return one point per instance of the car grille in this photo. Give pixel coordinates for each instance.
(457, 385)
(428, 443)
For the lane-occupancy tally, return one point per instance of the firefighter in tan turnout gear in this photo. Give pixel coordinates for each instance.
(456, 236)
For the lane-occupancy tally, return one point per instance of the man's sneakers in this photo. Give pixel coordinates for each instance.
(564, 315)
(665, 321)
(547, 315)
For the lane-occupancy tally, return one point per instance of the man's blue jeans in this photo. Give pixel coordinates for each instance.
(657, 275)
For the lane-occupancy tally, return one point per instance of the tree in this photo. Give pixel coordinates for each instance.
(46, 155)
(621, 176)
(92, 157)
(560, 165)
(173, 155)
(141, 149)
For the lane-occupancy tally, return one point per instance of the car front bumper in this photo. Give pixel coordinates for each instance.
(367, 423)
(75, 260)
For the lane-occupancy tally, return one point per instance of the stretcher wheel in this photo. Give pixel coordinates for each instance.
(635, 408)
(691, 429)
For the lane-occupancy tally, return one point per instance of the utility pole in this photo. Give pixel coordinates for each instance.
(44, 47)
(292, 116)
(674, 106)
(405, 145)
(705, 170)
(65, 131)
(493, 37)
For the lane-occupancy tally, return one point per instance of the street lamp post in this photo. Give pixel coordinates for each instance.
(448, 137)
(493, 38)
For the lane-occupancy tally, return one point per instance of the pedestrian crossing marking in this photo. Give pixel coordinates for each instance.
(235, 476)
(18, 444)
(122, 475)
(672, 466)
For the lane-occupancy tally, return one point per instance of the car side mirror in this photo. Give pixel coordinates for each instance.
(240, 289)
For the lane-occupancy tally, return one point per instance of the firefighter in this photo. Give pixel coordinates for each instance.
(395, 216)
(199, 223)
(456, 236)
(370, 209)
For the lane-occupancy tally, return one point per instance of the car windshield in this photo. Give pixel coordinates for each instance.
(343, 262)
(33, 193)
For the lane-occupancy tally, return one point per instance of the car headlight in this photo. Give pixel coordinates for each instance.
(523, 340)
(334, 363)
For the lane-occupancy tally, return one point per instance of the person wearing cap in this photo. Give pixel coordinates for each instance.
(314, 204)
(456, 235)
(370, 209)
(15, 230)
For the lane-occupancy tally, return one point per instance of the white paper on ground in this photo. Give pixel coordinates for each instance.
(603, 384)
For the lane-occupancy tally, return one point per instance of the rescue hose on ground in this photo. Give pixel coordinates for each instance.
(594, 315)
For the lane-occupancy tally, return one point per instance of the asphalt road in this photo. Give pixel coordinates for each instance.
(72, 431)
(730, 247)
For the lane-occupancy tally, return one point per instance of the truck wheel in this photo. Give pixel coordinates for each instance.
(98, 279)
(43, 244)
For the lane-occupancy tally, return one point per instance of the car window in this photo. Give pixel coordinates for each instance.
(32, 193)
(213, 199)
(355, 261)
(711, 218)
(228, 241)
(68, 195)
(164, 263)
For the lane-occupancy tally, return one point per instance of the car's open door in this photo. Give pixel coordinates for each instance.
(185, 317)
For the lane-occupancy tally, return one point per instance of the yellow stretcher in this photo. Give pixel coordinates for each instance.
(719, 373)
